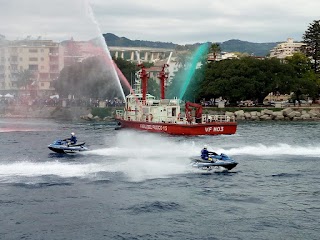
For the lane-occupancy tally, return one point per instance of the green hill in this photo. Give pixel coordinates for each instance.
(113, 40)
(233, 45)
(256, 49)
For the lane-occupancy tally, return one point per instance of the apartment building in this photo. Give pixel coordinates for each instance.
(41, 59)
(286, 49)
(221, 56)
(77, 51)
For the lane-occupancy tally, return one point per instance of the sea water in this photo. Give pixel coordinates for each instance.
(138, 185)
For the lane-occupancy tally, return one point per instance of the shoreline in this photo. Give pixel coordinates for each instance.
(305, 113)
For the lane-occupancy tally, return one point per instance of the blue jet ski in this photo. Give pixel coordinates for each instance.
(62, 146)
(214, 161)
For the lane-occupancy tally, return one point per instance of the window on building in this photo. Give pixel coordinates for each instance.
(44, 76)
(21, 59)
(42, 59)
(33, 59)
(14, 50)
(42, 84)
(14, 58)
(33, 50)
(54, 68)
(33, 67)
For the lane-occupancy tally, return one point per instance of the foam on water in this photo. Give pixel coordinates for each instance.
(34, 169)
(141, 144)
(136, 169)
(141, 156)
(276, 149)
(155, 158)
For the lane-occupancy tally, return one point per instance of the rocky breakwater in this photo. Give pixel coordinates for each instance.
(90, 117)
(289, 114)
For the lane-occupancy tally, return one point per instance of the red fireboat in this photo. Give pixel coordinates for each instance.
(142, 111)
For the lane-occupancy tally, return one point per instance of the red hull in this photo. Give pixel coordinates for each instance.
(212, 128)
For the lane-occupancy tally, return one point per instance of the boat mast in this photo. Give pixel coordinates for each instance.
(144, 76)
(163, 76)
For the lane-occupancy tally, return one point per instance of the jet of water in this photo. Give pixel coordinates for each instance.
(103, 44)
(195, 59)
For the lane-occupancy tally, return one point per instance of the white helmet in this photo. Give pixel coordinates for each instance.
(205, 146)
(72, 133)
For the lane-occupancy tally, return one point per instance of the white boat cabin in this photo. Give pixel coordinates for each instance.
(160, 111)
(151, 109)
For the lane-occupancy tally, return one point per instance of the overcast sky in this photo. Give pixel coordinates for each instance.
(177, 21)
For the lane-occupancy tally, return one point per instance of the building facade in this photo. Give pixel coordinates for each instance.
(77, 51)
(39, 61)
(286, 49)
(221, 56)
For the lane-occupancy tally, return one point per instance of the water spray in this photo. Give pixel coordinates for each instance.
(203, 49)
(104, 44)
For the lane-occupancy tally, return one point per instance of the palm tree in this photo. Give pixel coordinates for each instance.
(215, 50)
(183, 58)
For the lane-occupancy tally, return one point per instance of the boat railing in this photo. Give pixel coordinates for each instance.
(217, 118)
(222, 118)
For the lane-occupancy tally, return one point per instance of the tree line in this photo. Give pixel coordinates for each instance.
(254, 78)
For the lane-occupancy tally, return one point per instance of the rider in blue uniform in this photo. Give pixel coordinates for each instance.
(72, 140)
(205, 153)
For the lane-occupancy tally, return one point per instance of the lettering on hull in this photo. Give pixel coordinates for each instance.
(182, 129)
(214, 129)
(154, 127)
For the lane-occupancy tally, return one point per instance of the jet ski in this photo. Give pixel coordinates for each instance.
(214, 161)
(61, 146)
